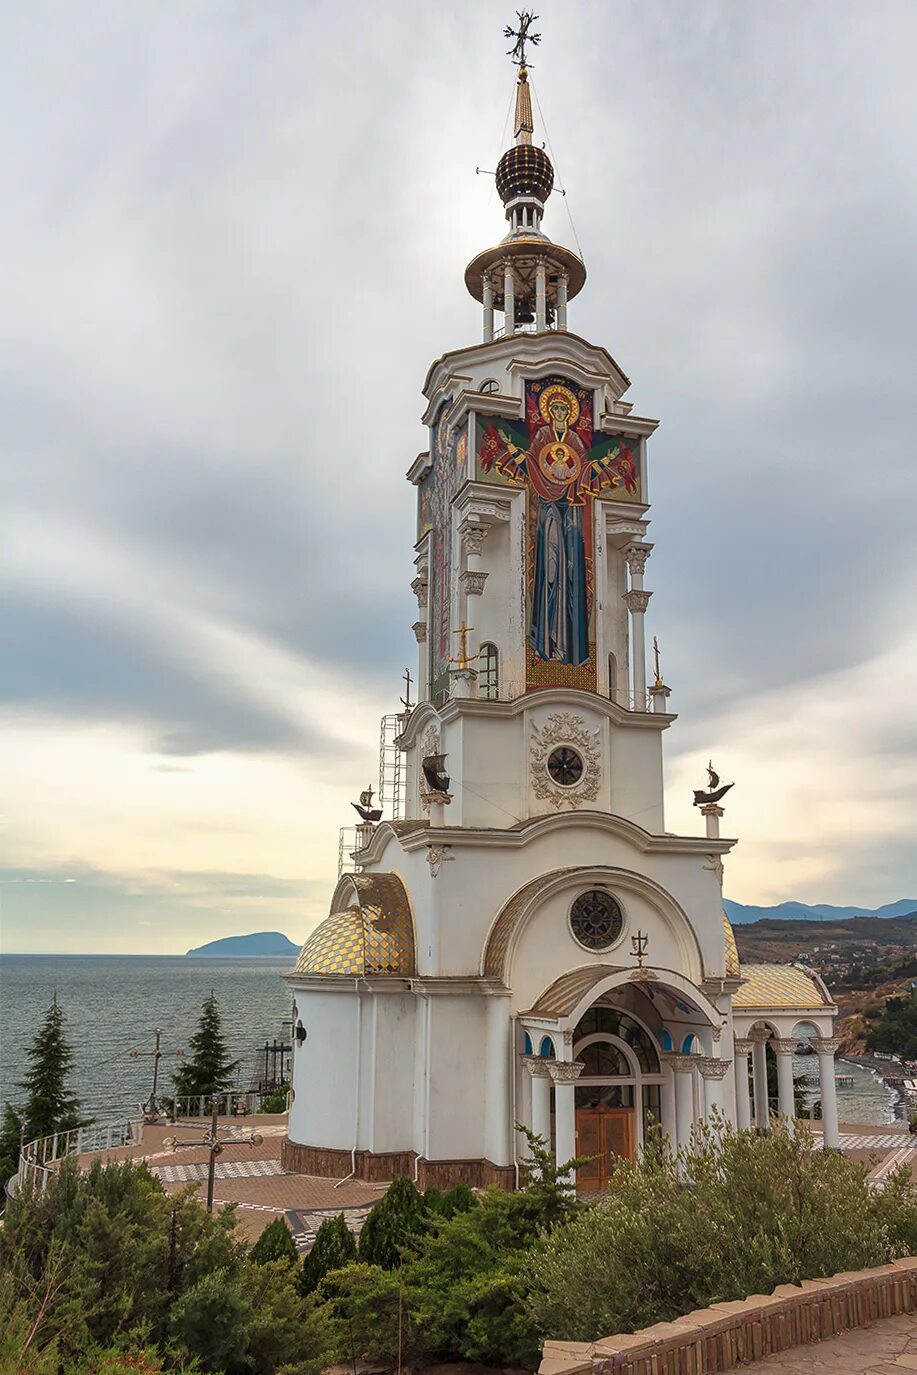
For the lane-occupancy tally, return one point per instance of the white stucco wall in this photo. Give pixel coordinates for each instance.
(325, 1077)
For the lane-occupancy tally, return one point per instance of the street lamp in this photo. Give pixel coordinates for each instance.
(215, 1144)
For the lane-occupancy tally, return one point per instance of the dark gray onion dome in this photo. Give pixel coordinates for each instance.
(524, 170)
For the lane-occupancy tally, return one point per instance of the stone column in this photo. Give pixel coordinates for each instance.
(420, 635)
(472, 577)
(565, 1074)
(509, 298)
(683, 1070)
(660, 695)
(826, 1047)
(537, 1067)
(488, 308)
(713, 814)
(636, 601)
(667, 1106)
(786, 1105)
(713, 1071)
(541, 296)
(743, 1102)
(562, 301)
(759, 1039)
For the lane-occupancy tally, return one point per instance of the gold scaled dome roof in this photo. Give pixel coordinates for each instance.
(369, 931)
(732, 950)
(779, 985)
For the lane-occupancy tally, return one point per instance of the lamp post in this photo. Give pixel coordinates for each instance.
(215, 1144)
(150, 1108)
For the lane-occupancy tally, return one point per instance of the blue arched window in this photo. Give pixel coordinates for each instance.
(546, 1049)
(526, 1044)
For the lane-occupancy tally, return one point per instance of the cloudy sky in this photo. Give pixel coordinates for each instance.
(233, 237)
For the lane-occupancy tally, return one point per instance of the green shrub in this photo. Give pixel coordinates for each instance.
(393, 1225)
(759, 1211)
(276, 1100)
(116, 1270)
(459, 1199)
(275, 1243)
(333, 1248)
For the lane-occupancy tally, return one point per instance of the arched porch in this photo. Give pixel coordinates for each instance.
(598, 1055)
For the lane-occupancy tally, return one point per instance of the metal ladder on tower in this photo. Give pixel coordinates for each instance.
(391, 790)
(391, 767)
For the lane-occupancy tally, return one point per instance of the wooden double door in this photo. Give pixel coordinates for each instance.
(603, 1133)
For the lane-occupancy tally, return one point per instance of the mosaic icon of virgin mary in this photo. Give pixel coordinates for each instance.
(557, 468)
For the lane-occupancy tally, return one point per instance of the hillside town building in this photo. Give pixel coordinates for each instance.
(522, 940)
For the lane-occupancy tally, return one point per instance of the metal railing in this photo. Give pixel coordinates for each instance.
(508, 692)
(37, 1158)
(234, 1103)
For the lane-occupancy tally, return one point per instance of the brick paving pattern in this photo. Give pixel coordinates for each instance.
(305, 1222)
(232, 1169)
(888, 1347)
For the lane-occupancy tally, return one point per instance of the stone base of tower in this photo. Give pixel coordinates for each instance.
(324, 1163)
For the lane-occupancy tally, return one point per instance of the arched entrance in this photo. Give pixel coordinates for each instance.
(617, 1092)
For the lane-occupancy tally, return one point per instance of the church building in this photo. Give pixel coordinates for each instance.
(522, 940)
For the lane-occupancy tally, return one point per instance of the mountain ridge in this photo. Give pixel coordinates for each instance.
(740, 913)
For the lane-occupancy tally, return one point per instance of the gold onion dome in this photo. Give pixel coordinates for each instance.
(370, 931)
(524, 170)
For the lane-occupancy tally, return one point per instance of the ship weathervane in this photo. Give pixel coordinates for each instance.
(714, 791)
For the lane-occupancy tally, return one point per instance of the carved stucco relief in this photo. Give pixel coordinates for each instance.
(565, 728)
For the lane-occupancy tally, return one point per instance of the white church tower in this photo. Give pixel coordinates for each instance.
(524, 942)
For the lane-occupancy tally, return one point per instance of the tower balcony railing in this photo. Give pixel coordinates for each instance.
(528, 327)
(509, 692)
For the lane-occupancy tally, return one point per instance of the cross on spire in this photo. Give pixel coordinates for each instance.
(522, 36)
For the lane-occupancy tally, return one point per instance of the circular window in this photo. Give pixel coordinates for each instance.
(565, 766)
(596, 920)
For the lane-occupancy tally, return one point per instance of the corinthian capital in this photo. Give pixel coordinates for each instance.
(473, 537)
(636, 556)
(637, 601)
(826, 1045)
(565, 1071)
(420, 588)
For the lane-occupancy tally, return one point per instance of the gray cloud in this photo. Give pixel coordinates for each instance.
(238, 241)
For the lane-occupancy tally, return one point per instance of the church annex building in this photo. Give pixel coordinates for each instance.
(524, 941)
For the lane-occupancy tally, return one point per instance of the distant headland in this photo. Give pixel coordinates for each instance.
(260, 943)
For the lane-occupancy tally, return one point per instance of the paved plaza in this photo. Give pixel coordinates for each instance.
(887, 1348)
(253, 1178)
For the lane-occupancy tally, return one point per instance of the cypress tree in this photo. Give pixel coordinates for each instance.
(393, 1223)
(333, 1248)
(208, 1070)
(49, 1106)
(275, 1243)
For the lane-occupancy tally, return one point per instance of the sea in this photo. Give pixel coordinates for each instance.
(113, 1005)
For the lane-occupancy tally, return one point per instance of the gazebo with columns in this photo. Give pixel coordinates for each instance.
(523, 940)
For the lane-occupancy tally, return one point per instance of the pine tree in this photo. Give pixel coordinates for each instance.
(208, 1071)
(49, 1107)
(333, 1248)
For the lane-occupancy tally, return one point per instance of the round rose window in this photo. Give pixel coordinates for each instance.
(565, 766)
(596, 920)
